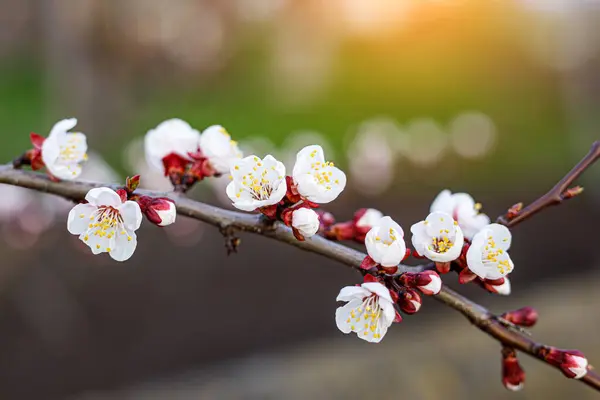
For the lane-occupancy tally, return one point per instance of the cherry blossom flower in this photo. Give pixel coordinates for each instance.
(463, 209)
(439, 238)
(487, 256)
(385, 243)
(256, 183)
(63, 152)
(369, 311)
(216, 145)
(173, 137)
(106, 223)
(317, 181)
(306, 221)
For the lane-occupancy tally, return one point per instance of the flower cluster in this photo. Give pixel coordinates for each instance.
(186, 155)
(261, 184)
(454, 235)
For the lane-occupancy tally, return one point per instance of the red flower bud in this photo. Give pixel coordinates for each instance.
(428, 282)
(410, 301)
(513, 376)
(526, 316)
(131, 184)
(572, 363)
(160, 211)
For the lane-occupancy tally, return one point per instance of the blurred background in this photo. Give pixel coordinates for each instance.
(495, 98)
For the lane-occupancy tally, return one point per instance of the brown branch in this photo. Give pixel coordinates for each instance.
(559, 193)
(227, 220)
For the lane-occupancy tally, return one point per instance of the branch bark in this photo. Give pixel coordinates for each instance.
(227, 220)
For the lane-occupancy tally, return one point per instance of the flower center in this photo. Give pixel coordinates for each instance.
(105, 222)
(441, 244)
(364, 319)
(389, 239)
(492, 254)
(322, 173)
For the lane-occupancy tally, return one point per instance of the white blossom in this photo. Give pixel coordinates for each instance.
(63, 152)
(370, 218)
(369, 311)
(256, 183)
(306, 221)
(487, 256)
(219, 149)
(385, 242)
(439, 238)
(463, 209)
(173, 136)
(106, 223)
(317, 180)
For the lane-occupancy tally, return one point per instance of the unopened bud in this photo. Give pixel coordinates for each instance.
(306, 221)
(364, 219)
(428, 282)
(410, 301)
(159, 211)
(499, 286)
(132, 183)
(572, 192)
(572, 363)
(526, 316)
(514, 210)
(513, 376)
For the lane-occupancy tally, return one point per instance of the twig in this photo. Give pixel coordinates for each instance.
(560, 192)
(231, 220)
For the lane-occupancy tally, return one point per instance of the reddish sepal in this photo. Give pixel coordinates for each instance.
(368, 263)
(442, 267)
(466, 276)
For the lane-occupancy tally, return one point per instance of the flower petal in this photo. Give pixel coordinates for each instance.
(103, 196)
(349, 293)
(132, 215)
(79, 218)
(124, 246)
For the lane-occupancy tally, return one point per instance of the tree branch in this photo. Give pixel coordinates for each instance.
(560, 192)
(226, 219)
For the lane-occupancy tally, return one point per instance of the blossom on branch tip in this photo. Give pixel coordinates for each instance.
(317, 180)
(572, 363)
(487, 256)
(463, 209)
(305, 221)
(369, 311)
(170, 143)
(106, 223)
(385, 243)
(439, 238)
(63, 152)
(219, 149)
(256, 183)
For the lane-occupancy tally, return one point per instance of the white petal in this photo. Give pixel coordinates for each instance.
(501, 235)
(379, 289)
(394, 254)
(63, 126)
(50, 150)
(419, 239)
(389, 312)
(79, 218)
(132, 215)
(349, 293)
(124, 246)
(103, 196)
(444, 202)
(305, 157)
(370, 218)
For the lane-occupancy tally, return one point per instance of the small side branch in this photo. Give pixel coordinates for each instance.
(562, 191)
